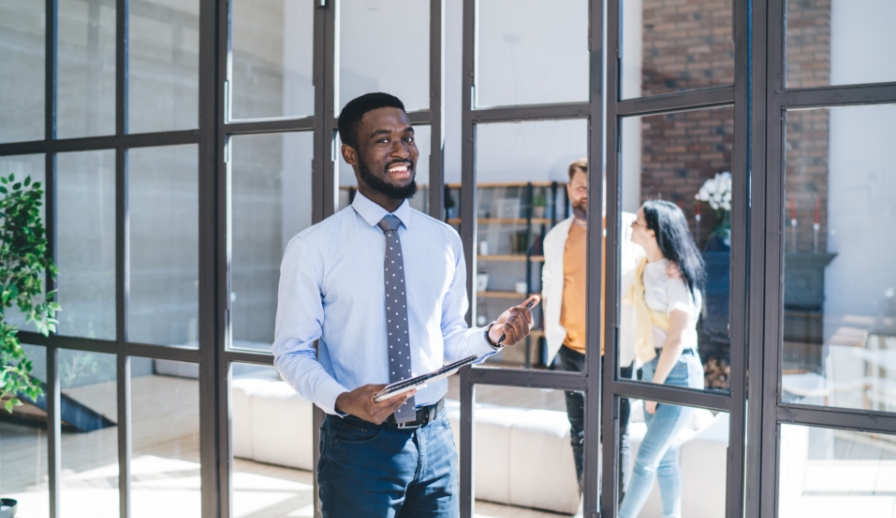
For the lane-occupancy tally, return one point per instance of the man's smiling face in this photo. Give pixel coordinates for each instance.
(387, 154)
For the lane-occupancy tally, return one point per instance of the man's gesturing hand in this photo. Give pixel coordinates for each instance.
(360, 403)
(515, 323)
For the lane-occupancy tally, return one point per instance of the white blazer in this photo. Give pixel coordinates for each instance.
(552, 287)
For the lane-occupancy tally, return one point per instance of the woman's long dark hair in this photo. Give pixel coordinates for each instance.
(674, 239)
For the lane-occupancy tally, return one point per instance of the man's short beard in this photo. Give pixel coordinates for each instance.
(580, 207)
(385, 188)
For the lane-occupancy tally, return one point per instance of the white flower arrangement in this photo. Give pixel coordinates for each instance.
(717, 192)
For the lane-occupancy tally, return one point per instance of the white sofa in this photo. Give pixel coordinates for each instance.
(271, 423)
(522, 456)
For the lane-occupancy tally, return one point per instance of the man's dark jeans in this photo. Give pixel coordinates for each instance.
(574, 361)
(380, 471)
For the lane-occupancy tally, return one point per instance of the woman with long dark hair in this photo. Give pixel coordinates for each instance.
(666, 311)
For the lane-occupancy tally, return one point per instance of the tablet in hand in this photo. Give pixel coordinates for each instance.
(400, 387)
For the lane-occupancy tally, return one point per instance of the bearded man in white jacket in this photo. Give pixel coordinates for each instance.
(563, 290)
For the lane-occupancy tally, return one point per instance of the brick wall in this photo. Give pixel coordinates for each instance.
(682, 150)
(808, 59)
(688, 45)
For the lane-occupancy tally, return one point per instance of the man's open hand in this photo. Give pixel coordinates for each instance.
(515, 323)
(360, 403)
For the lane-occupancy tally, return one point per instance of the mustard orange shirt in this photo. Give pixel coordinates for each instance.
(573, 312)
(572, 309)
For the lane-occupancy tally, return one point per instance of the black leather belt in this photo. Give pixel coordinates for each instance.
(425, 415)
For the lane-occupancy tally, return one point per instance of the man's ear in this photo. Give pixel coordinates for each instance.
(350, 155)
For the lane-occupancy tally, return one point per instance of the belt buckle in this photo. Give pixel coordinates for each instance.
(410, 425)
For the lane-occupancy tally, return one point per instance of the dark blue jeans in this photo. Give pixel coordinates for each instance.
(574, 361)
(369, 470)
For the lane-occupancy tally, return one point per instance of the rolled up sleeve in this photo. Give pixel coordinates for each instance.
(299, 322)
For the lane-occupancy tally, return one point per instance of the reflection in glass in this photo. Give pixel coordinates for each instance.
(827, 472)
(839, 335)
(348, 184)
(837, 42)
(22, 51)
(272, 443)
(163, 194)
(165, 463)
(90, 437)
(23, 447)
(531, 53)
(23, 166)
(680, 458)
(522, 454)
(85, 253)
(86, 57)
(164, 66)
(271, 203)
(270, 58)
(684, 158)
(368, 29)
(522, 170)
(673, 46)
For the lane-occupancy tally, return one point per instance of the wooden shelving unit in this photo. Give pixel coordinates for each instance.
(535, 209)
(501, 294)
(513, 257)
(506, 221)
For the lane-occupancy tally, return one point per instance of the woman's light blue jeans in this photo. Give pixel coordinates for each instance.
(658, 455)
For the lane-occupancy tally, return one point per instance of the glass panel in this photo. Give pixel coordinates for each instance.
(271, 197)
(165, 467)
(23, 447)
(85, 228)
(90, 433)
(523, 456)
(272, 442)
(368, 31)
(271, 59)
(22, 51)
(164, 66)
(837, 42)
(23, 166)
(675, 46)
(164, 216)
(839, 333)
(535, 54)
(86, 57)
(348, 184)
(679, 164)
(522, 170)
(827, 472)
(678, 461)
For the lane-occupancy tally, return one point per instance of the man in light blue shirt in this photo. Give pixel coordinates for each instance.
(395, 457)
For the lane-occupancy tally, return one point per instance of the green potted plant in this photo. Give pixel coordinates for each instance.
(24, 261)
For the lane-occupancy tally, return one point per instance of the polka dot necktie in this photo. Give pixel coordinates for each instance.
(397, 315)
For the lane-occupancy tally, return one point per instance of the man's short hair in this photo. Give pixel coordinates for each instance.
(579, 165)
(350, 118)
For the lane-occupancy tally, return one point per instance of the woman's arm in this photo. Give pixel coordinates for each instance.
(672, 349)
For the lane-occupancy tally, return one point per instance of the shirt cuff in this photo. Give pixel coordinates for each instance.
(326, 397)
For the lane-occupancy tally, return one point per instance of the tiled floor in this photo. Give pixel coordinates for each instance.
(165, 464)
(166, 478)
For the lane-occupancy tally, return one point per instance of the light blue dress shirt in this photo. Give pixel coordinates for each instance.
(332, 289)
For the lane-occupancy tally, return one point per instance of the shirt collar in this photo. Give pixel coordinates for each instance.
(373, 213)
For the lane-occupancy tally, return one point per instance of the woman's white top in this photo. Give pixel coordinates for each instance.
(666, 295)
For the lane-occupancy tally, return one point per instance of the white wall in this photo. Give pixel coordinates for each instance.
(632, 45)
(862, 174)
